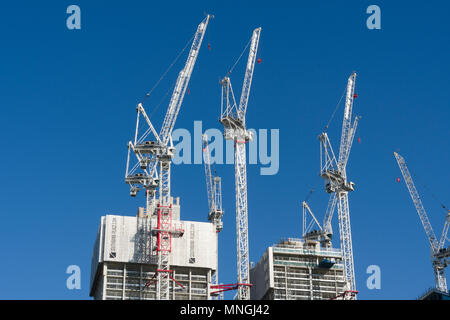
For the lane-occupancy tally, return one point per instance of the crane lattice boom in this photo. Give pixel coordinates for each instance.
(182, 83)
(235, 129)
(417, 203)
(440, 255)
(214, 190)
(333, 171)
(154, 159)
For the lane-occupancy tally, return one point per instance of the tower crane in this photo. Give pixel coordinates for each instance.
(334, 173)
(439, 253)
(232, 118)
(214, 191)
(154, 157)
(213, 188)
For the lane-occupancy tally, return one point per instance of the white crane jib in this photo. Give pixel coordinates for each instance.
(154, 158)
(348, 130)
(213, 188)
(233, 119)
(329, 164)
(439, 254)
(182, 83)
(148, 151)
(334, 173)
(232, 112)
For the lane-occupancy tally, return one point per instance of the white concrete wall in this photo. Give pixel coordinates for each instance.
(261, 276)
(123, 244)
(97, 255)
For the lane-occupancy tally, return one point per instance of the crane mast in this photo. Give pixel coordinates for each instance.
(214, 191)
(334, 173)
(154, 158)
(233, 119)
(439, 255)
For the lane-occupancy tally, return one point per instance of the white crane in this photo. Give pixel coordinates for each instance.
(439, 253)
(334, 173)
(233, 120)
(214, 191)
(154, 158)
(213, 188)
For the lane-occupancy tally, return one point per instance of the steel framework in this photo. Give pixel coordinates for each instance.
(214, 191)
(213, 188)
(233, 120)
(154, 158)
(334, 173)
(439, 254)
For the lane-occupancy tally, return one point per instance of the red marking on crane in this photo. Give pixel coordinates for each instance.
(359, 140)
(209, 46)
(355, 96)
(259, 60)
(162, 270)
(154, 280)
(188, 91)
(351, 293)
(228, 287)
(177, 282)
(398, 179)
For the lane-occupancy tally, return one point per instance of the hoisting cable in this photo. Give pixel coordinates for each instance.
(237, 61)
(429, 191)
(168, 69)
(147, 132)
(436, 198)
(309, 195)
(162, 100)
(335, 110)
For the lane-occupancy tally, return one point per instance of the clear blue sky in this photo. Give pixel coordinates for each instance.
(68, 109)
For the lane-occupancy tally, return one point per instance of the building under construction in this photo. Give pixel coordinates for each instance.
(310, 268)
(124, 261)
(297, 269)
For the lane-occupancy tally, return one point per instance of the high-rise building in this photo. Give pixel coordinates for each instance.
(297, 269)
(124, 258)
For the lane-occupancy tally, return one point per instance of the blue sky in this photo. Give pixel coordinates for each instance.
(68, 109)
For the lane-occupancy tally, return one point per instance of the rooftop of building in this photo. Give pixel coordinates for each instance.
(296, 245)
(434, 294)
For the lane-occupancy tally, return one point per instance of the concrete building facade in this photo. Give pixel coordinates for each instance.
(297, 269)
(124, 262)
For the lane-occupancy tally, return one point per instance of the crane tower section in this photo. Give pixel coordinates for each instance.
(233, 120)
(334, 173)
(215, 213)
(154, 157)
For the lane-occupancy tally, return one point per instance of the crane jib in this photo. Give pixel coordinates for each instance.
(182, 83)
